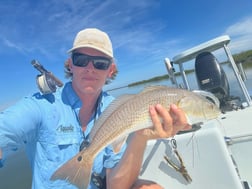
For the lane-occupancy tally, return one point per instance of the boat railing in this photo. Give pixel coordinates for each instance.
(212, 45)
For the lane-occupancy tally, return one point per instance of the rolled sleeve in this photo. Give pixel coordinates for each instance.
(113, 158)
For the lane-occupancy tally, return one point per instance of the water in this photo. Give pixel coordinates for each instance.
(17, 174)
(234, 86)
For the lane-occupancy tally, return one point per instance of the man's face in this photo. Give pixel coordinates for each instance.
(89, 79)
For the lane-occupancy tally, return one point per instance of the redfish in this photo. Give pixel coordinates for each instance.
(125, 115)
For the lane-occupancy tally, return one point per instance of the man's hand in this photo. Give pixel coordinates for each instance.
(166, 123)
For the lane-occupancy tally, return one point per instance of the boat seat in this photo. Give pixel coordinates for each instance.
(210, 76)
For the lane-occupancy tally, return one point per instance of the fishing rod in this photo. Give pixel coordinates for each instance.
(46, 81)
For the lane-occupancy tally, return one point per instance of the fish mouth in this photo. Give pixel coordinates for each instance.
(202, 116)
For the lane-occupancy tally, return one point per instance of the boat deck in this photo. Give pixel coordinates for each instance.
(205, 155)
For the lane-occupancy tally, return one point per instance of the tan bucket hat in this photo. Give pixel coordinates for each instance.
(93, 38)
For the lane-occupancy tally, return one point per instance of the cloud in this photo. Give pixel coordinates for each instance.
(54, 23)
(241, 35)
(243, 27)
(137, 33)
(14, 45)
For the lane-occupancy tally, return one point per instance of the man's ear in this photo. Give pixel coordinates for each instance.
(112, 70)
(69, 64)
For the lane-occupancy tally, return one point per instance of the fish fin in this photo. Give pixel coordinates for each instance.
(117, 144)
(77, 171)
(108, 111)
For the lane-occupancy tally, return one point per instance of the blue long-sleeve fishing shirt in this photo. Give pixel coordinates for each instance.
(49, 127)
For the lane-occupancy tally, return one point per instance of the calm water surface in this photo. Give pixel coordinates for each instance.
(234, 87)
(17, 174)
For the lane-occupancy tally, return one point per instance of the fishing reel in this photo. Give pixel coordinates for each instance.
(46, 81)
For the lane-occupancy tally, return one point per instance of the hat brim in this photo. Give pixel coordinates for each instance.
(93, 47)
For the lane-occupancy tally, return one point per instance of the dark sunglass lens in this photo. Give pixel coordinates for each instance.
(101, 65)
(80, 60)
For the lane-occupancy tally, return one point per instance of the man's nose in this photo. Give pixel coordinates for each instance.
(90, 65)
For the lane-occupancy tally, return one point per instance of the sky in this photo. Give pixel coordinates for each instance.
(143, 33)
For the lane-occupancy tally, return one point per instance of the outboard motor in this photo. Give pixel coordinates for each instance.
(211, 77)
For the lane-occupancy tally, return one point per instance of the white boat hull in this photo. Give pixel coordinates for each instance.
(206, 155)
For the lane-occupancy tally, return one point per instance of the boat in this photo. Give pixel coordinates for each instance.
(215, 154)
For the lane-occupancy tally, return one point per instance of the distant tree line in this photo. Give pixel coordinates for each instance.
(244, 57)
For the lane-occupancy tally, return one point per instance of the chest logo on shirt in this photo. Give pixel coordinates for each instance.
(65, 129)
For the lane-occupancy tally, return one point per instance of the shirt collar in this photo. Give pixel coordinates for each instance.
(70, 97)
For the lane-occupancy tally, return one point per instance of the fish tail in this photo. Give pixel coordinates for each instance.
(77, 171)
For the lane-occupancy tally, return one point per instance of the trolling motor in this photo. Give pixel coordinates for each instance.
(46, 81)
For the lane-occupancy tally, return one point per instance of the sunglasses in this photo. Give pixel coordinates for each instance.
(99, 62)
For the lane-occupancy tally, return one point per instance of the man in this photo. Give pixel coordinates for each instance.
(54, 126)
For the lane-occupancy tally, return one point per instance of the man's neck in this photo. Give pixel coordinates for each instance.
(89, 106)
